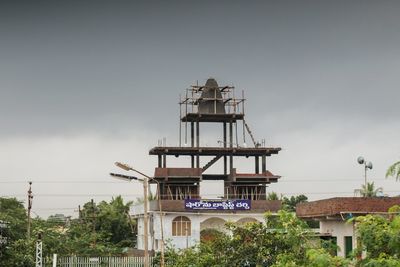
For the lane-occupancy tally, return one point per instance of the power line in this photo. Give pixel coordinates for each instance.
(332, 180)
(141, 195)
(62, 182)
(56, 208)
(78, 195)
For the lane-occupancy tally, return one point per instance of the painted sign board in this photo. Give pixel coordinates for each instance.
(201, 204)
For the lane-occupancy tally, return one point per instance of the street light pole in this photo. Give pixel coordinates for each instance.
(145, 213)
(161, 223)
(367, 165)
(365, 175)
(146, 223)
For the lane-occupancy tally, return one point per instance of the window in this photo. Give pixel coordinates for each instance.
(181, 226)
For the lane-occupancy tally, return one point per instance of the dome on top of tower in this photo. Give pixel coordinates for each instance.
(211, 101)
(211, 83)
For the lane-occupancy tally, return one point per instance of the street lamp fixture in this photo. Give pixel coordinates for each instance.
(145, 182)
(125, 177)
(126, 167)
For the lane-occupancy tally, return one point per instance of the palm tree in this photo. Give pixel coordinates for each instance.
(150, 197)
(394, 170)
(370, 191)
(273, 196)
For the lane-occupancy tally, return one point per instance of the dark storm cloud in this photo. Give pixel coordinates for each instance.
(100, 66)
(86, 83)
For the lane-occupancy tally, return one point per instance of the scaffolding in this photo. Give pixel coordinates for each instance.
(193, 96)
(211, 103)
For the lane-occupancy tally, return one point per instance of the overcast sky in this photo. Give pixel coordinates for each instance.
(84, 84)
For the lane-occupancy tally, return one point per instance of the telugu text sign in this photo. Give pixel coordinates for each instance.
(196, 204)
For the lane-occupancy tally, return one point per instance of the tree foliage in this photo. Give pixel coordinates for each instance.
(380, 238)
(394, 170)
(369, 190)
(273, 196)
(321, 258)
(13, 212)
(114, 218)
(16, 250)
(103, 229)
(283, 240)
(289, 203)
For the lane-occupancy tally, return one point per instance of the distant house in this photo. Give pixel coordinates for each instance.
(60, 218)
(333, 214)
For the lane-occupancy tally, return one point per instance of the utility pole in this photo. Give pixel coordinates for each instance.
(93, 222)
(30, 197)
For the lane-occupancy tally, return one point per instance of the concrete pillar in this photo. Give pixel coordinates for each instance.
(257, 163)
(264, 163)
(230, 145)
(224, 142)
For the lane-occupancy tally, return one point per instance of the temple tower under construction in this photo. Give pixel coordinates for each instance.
(211, 103)
(186, 214)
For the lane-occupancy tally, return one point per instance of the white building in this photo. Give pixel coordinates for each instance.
(184, 228)
(333, 215)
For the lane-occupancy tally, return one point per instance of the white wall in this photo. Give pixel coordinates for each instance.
(338, 229)
(183, 241)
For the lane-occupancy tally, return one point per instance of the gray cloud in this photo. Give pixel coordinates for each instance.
(73, 66)
(311, 70)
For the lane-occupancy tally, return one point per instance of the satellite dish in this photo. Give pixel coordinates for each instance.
(369, 165)
(361, 160)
